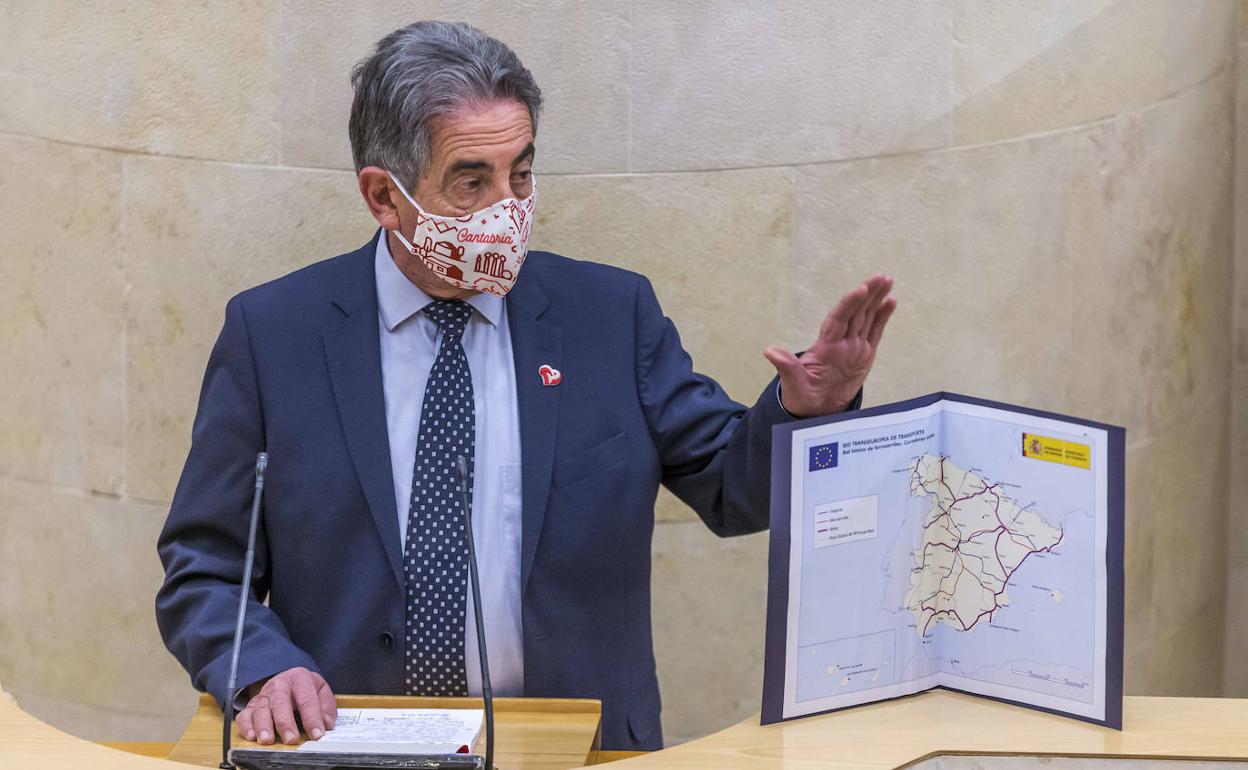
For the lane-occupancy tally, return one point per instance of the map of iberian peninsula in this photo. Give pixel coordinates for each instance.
(974, 539)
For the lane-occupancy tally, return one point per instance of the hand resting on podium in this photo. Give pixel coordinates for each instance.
(273, 704)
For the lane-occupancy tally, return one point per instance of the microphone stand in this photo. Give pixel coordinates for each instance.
(262, 462)
(487, 692)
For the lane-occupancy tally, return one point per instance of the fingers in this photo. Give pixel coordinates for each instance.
(329, 704)
(785, 362)
(881, 318)
(872, 307)
(854, 312)
(878, 287)
(262, 720)
(246, 726)
(838, 320)
(308, 703)
(789, 369)
(281, 704)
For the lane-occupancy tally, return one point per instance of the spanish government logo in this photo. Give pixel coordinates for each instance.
(1056, 450)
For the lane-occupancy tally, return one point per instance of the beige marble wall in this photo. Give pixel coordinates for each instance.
(1051, 182)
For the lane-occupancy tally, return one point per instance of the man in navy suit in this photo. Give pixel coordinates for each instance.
(368, 375)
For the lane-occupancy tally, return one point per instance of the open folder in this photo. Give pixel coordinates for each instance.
(946, 542)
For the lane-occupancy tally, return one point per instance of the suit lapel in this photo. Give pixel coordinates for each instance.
(353, 355)
(535, 341)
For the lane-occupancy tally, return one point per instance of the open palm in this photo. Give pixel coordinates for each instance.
(827, 376)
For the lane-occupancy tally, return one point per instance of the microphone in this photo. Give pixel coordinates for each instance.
(262, 462)
(487, 692)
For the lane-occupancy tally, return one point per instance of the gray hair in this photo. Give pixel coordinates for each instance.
(419, 72)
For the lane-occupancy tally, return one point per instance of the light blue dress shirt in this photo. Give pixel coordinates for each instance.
(409, 344)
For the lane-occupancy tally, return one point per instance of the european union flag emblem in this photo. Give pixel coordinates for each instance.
(823, 456)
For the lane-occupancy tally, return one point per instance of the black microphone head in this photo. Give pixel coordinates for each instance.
(262, 462)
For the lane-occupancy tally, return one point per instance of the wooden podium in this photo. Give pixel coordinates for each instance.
(883, 735)
(529, 733)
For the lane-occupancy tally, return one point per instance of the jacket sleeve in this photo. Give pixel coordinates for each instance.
(204, 540)
(716, 453)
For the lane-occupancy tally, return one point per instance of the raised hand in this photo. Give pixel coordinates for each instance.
(827, 376)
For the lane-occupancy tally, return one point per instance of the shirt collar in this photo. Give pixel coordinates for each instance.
(399, 299)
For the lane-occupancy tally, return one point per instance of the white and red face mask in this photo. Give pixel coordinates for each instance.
(482, 251)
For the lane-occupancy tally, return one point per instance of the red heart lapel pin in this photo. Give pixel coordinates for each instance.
(550, 375)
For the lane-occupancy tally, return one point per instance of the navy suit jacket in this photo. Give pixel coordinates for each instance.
(296, 372)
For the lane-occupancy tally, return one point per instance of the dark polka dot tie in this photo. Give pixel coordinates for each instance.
(436, 557)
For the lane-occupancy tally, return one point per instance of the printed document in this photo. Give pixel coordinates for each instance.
(401, 731)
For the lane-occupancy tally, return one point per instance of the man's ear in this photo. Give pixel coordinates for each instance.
(379, 192)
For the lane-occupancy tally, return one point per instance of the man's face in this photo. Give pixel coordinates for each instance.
(480, 155)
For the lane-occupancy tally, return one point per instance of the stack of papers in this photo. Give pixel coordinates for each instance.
(402, 731)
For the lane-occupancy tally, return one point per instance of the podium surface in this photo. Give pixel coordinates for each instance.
(900, 732)
(883, 735)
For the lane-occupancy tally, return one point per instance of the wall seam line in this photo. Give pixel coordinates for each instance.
(1020, 138)
(123, 229)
